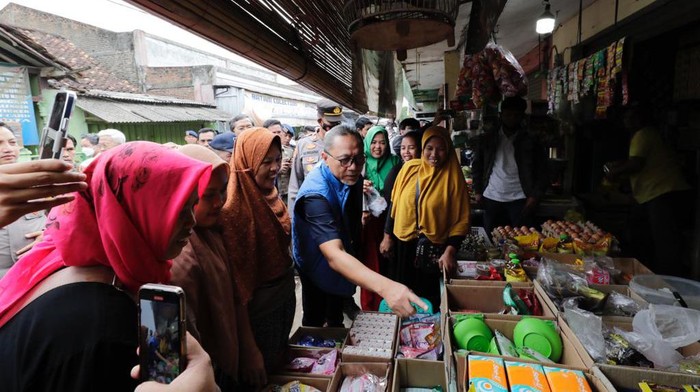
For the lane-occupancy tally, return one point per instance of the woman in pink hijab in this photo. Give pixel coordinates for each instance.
(68, 318)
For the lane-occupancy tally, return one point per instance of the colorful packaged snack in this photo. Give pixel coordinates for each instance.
(566, 380)
(528, 377)
(487, 374)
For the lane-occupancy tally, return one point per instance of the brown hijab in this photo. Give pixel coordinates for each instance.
(256, 224)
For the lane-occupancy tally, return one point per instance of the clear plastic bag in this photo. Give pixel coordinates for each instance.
(588, 328)
(621, 305)
(674, 325)
(662, 354)
(375, 202)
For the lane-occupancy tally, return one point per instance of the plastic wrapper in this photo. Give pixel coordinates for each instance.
(619, 350)
(293, 386)
(528, 353)
(512, 300)
(690, 365)
(326, 364)
(648, 386)
(595, 274)
(313, 341)
(301, 365)
(420, 337)
(621, 305)
(375, 202)
(561, 281)
(364, 383)
(507, 72)
(504, 345)
(588, 328)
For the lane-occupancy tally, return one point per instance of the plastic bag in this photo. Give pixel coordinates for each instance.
(507, 72)
(364, 383)
(662, 354)
(375, 202)
(560, 281)
(588, 328)
(674, 325)
(621, 305)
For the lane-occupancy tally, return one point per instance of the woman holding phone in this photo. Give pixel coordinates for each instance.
(68, 318)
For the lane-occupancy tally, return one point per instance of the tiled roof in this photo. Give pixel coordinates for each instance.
(87, 73)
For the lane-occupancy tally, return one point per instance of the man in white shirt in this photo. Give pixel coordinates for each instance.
(509, 170)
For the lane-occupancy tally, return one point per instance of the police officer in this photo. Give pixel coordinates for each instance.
(308, 150)
(15, 237)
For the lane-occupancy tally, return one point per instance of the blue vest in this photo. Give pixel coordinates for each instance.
(307, 256)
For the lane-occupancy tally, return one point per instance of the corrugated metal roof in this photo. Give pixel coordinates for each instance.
(132, 112)
(140, 98)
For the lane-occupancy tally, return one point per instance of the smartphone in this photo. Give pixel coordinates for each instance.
(53, 137)
(162, 328)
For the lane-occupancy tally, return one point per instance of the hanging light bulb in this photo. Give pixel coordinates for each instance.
(545, 23)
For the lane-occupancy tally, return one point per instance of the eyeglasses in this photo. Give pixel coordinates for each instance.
(359, 160)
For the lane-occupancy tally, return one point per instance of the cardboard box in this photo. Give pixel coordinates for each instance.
(625, 377)
(623, 323)
(419, 374)
(595, 381)
(441, 324)
(570, 355)
(338, 334)
(553, 311)
(306, 352)
(488, 283)
(351, 357)
(320, 383)
(383, 370)
(628, 266)
(483, 299)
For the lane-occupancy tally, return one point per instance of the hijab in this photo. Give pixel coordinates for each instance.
(124, 220)
(202, 270)
(376, 169)
(443, 200)
(256, 223)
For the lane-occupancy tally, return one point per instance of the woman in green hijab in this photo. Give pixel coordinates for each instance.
(379, 159)
(379, 164)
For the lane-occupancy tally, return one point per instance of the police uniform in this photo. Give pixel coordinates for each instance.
(306, 157)
(308, 151)
(12, 238)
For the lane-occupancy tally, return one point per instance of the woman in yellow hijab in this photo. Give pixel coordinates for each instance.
(429, 199)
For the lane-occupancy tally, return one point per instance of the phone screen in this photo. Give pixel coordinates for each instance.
(160, 335)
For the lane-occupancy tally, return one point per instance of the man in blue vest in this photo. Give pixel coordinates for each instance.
(326, 230)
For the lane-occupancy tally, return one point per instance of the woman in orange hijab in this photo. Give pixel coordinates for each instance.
(257, 235)
(429, 199)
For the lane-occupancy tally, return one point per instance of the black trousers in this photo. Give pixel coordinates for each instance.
(497, 213)
(320, 308)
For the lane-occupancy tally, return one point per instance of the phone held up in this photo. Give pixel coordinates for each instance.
(53, 137)
(162, 328)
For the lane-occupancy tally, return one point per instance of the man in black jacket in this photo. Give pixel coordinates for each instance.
(509, 170)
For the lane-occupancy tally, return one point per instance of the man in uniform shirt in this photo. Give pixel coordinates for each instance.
(17, 235)
(308, 150)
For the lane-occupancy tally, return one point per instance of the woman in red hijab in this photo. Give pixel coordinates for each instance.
(257, 235)
(68, 317)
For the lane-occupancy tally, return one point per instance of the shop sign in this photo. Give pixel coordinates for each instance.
(16, 105)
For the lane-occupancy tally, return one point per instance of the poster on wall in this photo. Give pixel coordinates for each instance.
(16, 105)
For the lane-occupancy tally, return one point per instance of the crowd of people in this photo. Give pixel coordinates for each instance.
(231, 218)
